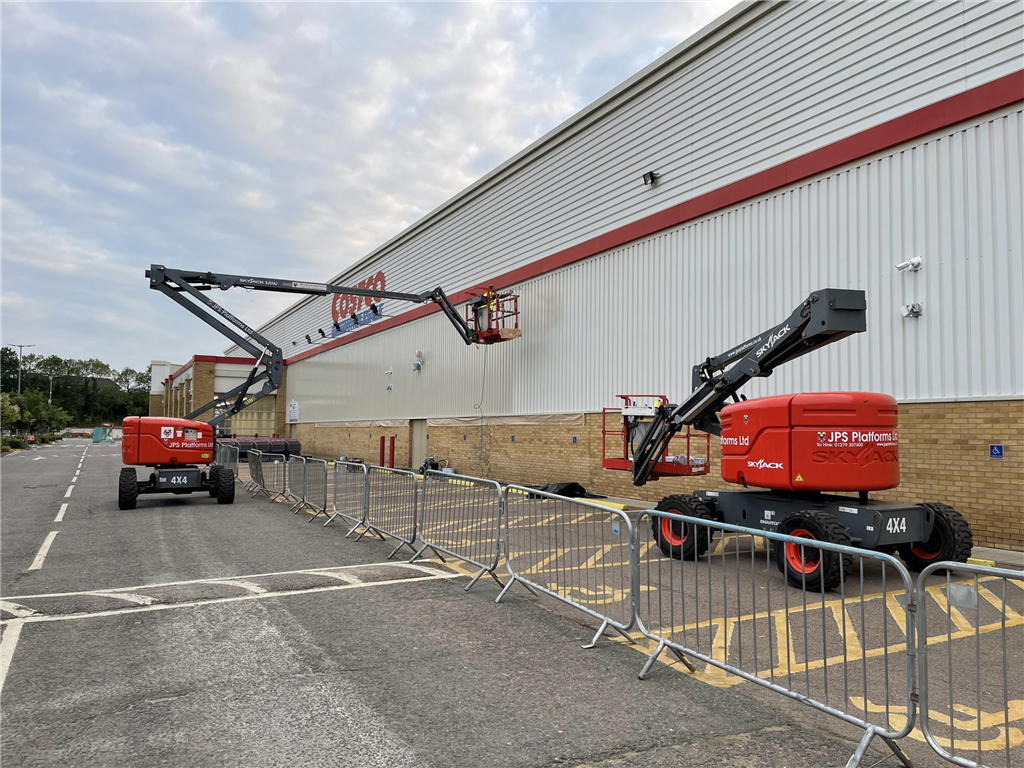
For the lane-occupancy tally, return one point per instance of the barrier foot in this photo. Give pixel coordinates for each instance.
(862, 749)
(294, 508)
(316, 514)
(651, 659)
(682, 659)
(438, 555)
(506, 588)
(416, 556)
(600, 631)
(330, 519)
(396, 549)
(476, 578)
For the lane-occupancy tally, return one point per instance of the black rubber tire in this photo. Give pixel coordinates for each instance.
(813, 567)
(214, 471)
(951, 539)
(127, 488)
(225, 486)
(678, 539)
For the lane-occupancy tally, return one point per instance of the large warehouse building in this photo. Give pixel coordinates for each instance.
(796, 146)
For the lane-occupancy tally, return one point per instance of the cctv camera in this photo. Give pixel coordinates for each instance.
(913, 265)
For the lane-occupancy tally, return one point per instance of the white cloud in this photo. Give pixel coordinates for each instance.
(272, 138)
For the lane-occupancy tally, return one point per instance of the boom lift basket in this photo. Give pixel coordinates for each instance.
(495, 317)
(628, 424)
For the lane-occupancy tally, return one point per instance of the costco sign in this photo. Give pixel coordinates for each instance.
(343, 307)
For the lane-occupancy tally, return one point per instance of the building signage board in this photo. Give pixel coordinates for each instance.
(293, 412)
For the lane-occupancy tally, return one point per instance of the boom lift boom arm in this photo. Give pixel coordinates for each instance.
(176, 283)
(823, 317)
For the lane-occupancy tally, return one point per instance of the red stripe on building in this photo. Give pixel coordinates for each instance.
(935, 117)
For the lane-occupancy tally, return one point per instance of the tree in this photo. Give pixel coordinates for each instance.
(8, 370)
(9, 410)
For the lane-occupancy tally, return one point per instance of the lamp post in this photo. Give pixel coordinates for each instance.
(21, 351)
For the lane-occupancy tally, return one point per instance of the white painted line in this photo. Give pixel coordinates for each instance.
(18, 611)
(7, 646)
(246, 585)
(137, 599)
(418, 565)
(60, 515)
(38, 562)
(240, 598)
(70, 489)
(347, 578)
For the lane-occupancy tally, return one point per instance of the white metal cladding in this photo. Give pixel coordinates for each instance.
(636, 319)
(765, 87)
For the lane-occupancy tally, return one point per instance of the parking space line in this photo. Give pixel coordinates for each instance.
(217, 601)
(38, 562)
(71, 487)
(60, 515)
(418, 566)
(248, 586)
(17, 611)
(7, 645)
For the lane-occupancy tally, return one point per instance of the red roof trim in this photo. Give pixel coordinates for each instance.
(942, 114)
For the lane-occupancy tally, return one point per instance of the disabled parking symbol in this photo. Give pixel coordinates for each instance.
(995, 451)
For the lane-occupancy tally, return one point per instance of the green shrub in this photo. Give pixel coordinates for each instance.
(5, 444)
(17, 443)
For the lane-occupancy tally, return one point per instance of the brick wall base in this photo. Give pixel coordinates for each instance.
(944, 456)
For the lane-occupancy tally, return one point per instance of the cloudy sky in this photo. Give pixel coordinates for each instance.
(284, 140)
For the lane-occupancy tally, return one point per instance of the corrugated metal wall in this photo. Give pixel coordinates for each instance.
(637, 318)
(766, 87)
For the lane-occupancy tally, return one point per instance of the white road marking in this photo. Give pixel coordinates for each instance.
(347, 578)
(70, 489)
(138, 599)
(418, 565)
(246, 585)
(39, 458)
(240, 598)
(7, 645)
(38, 562)
(60, 515)
(18, 611)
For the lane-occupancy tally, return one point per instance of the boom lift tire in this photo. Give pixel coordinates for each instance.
(225, 486)
(676, 538)
(127, 488)
(214, 484)
(813, 567)
(950, 540)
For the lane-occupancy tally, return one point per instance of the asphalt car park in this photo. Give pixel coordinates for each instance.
(191, 633)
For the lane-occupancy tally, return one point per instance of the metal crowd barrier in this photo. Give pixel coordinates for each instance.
(227, 456)
(349, 494)
(461, 516)
(575, 551)
(254, 482)
(391, 506)
(315, 496)
(980, 610)
(295, 486)
(725, 604)
(272, 468)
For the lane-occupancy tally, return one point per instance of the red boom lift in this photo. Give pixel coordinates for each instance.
(179, 450)
(795, 456)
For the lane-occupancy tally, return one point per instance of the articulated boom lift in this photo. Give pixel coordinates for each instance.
(177, 449)
(801, 448)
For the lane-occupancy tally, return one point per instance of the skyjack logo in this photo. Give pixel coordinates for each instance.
(762, 464)
(772, 339)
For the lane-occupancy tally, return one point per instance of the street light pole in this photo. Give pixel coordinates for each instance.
(21, 351)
